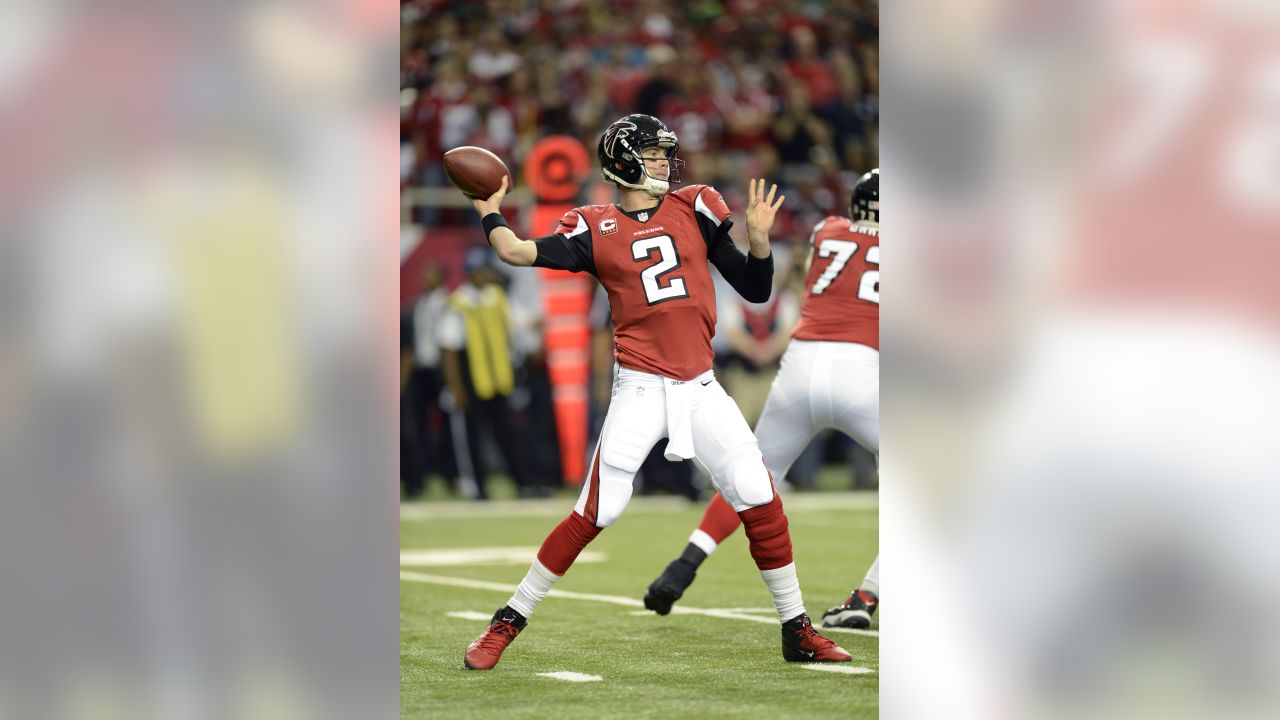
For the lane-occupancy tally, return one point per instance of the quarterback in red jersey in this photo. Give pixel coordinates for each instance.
(830, 378)
(651, 253)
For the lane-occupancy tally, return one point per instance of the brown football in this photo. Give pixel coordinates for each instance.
(476, 171)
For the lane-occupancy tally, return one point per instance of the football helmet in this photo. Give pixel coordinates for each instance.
(620, 147)
(865, 203)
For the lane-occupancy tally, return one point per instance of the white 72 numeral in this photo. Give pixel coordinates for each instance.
(843, 250)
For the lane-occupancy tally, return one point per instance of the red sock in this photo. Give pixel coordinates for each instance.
(719, 521)
(564, 543)
(767, 534)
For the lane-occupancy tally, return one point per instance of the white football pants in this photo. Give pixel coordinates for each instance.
(702, 422)
(821, 385)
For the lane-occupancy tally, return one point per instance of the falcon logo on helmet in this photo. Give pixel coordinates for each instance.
(620, 148)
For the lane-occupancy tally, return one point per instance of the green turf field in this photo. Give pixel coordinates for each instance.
(721, 665)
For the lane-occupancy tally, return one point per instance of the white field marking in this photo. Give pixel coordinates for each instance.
(846, 669)
(749, 611)
(559, 507)
(613, 599)
(469, 615)
(483, 556)
(570, 676)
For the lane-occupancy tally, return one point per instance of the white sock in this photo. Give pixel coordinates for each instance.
(703, 541)
(871, 583)
(532, 589)
(785, 589)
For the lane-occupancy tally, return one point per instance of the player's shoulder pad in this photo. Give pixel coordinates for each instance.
(705, 200)
(832, 226)
(577, 220)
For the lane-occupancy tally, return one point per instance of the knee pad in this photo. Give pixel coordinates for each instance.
(615, 485)
(747, 481)
(767, 535)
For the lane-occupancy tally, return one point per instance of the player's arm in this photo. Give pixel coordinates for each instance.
(452, 336)
(567, 249)
(751, 275)
(511, 249)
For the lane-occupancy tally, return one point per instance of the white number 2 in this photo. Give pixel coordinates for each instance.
(869, 286)
(654, 291)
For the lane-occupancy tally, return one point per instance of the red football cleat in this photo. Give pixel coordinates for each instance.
(855, 612)
(801, 643)
(487, 649)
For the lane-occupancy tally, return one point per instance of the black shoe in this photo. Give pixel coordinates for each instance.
(801, 643)
(855, 613)
(670, 585)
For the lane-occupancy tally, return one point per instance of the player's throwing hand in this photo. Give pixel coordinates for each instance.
(493, 202)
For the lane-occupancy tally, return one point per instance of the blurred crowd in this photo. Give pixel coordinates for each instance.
(782, 90)
(785, 90)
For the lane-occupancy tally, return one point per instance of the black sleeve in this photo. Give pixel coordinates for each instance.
(561, 252)
(749, 275)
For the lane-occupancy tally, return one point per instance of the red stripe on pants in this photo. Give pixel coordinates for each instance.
(593, 494)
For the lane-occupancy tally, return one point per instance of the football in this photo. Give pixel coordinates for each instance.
(477, 172)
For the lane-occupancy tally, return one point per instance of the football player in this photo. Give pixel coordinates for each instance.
(830, 378)
(650, 252)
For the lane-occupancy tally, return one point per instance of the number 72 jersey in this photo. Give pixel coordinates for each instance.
(842, 290)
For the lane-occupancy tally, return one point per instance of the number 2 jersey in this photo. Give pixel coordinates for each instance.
(842, 290)
(654, 266)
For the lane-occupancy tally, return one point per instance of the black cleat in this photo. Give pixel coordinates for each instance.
(855, 612)
(670, 585)
(801, 643)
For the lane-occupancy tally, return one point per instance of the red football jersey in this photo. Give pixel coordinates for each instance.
(654, 266)
(842, 290)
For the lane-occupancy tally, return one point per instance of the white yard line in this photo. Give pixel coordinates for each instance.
(483, 556)
(570, 676)
(846, 669)
(614, 599)
(469, 615)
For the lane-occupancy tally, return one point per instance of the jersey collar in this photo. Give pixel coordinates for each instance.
(636, 215)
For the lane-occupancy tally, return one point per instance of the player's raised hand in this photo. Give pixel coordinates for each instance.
(761, 208)
(485, 206)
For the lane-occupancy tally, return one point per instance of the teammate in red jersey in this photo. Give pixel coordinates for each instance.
(651, 253)
(830, 378)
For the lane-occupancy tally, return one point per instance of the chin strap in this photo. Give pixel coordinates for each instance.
(651, 185)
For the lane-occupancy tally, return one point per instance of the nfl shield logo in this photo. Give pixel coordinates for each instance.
(644, 217)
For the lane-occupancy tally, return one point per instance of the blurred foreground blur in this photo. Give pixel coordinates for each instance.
(1081, 361)
(198, 212)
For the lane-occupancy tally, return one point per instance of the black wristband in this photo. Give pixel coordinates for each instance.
(491, 222)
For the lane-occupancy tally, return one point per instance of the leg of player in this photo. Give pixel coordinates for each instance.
(634, 423)
(784, 431)
(857, 609)
(726, 447)
(852, 371)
